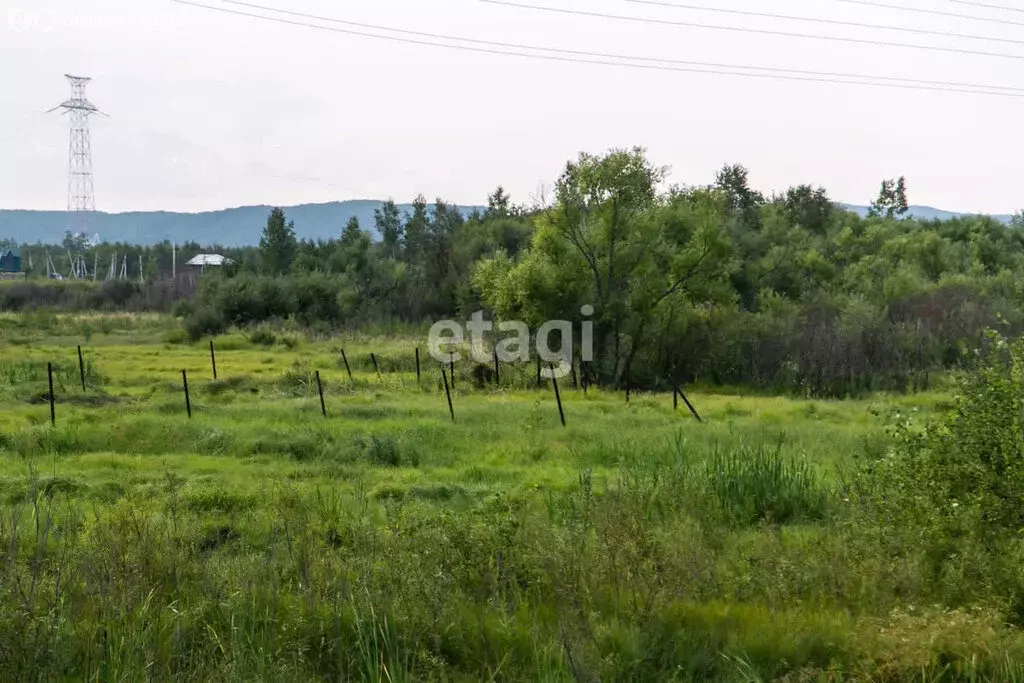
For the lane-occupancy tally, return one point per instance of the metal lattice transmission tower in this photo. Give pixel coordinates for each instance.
(81, 200)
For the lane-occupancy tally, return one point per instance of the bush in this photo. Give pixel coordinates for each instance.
(965, 471)
(262, 336)
(204, 321)
(759, 484)
(388, 451)
(82, 295)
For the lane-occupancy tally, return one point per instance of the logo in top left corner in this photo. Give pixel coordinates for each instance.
(20, 20)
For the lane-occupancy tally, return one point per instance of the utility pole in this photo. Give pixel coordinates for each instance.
(81, 201)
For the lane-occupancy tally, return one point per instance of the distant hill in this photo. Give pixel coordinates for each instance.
(242, 226)
(925, 213)
(228, 227)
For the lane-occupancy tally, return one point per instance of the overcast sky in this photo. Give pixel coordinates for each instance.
(210, 110)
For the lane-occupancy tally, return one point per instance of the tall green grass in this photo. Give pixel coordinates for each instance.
(260, 541)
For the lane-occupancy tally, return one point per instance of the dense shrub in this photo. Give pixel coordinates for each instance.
(248, 299)
(204, 321)
(83, 295)
(829, 348)
(760, 484)
(947, 495)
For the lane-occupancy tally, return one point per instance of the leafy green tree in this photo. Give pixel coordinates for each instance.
(389, 226)
(808, 208)
(278, 245)
(744, 202)
(353, 257)
(612, 241)
(498, 204)
(417, 225)
(892, 199)
(352, 233)
(75, 243)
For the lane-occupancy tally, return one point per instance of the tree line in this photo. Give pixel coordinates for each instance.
(716, 283)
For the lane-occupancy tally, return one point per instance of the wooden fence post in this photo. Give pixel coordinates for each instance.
(81, 366)
(448, 393)
(188, 402)
(689, 405)
(347, 368)
(53, 412)
(320, 390)
(558, 396)
(213, 360)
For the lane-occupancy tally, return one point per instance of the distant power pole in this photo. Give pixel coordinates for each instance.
(81, 201)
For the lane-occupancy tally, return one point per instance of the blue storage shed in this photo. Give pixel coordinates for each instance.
(10, 260)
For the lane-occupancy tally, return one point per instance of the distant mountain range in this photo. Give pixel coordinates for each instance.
(228, 227)
(925, 213)
(242, 226)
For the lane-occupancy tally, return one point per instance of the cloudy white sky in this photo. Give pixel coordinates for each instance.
(210, 110)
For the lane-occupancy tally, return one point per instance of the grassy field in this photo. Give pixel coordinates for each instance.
(260, 541)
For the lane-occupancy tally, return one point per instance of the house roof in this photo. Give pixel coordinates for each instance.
(14, 251)
(208, 260)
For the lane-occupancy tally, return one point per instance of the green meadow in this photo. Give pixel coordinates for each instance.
(259, 540)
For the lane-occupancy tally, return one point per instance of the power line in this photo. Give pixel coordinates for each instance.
(606, 55)
(987, 5)
(833, 22)
(762, 31)
(933, 12)
(656, 64)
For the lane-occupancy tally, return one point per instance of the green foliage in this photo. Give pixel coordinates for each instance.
(278, 245)
(260, 541)
(966, 471)
(389, 226)
(760, 484)
(710, 284)
(892, 199)
(262, 336)
(204, 321)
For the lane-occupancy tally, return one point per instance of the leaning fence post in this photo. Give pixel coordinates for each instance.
(373, 359)
(417, 365)
(320, 390)
(451, 361)
(213, 360)
(538, 372)
(448, 393)
(81, 366)
(689, 405)
(188, 402)
(497, 369)
(49, 376)
(347, 368)
(558, 396)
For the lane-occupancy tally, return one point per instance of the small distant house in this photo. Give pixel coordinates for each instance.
(204, 261)
(10, 260)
